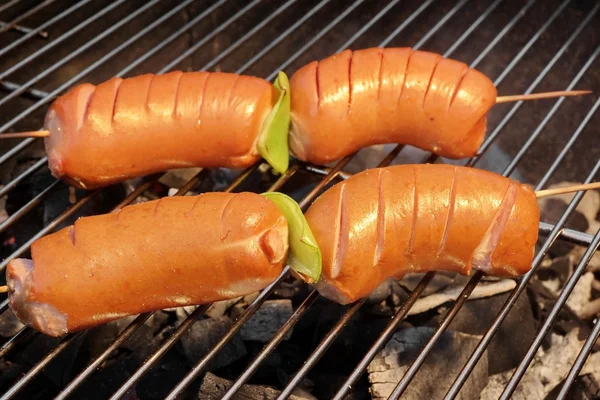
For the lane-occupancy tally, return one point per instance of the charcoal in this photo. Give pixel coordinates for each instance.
(380, 293)
(267, 320)
(61, 370)
(9, 324)
(440, 281)
(292, 290)
(475, 318)
(219, 308)
(214, 387)
(203, 335)
(528, 389)
(432, 380)
(43, 388)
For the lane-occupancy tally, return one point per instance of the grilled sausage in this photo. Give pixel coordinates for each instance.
(387, 222)
(374, 96)
(125, 128)
(165, 253)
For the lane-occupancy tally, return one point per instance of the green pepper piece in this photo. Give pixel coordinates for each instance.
(304, 255)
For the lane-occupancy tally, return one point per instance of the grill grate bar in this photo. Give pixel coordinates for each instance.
(476, 24)
(37, 200)
(485, 341)
(311, 42)
(29, 13)
(46, 24)
(269, 347)
(79, 51)
(207, 38)
(261, 25)
(123, 336)
(368, 25)
(321, 349)
(580, 361)
(562, 299)
(60, 39)
(412, 371)
(440, 24)
(565, 150)
(13, 341)
(573, 236)
(404, 24)
(385, 336)
(22, 176)
(8, 5)
(33, 93)
(40, 366)
(272, 44)
(492, 137)
(172, 37)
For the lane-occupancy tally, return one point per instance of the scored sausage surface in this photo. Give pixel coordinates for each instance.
(136, 126)
(159, 254)
(387, 222)
(374, 96)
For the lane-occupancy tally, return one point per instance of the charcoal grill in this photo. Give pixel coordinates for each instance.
(523, 46)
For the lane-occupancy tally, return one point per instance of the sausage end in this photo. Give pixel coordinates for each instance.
(40, 316)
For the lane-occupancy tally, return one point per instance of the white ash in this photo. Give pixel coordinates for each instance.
(579, 300)
(433, 380)
(214, 388)
(176, 178)
(547, 370)
(452, 292)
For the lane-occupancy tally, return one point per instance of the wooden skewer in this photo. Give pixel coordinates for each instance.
(568, 189)
(499, 99)
(536, 96)
(538, 194)
(24, 134)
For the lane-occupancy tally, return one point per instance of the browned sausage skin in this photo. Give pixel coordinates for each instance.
(165, 253)
(355, 99)
(125, 128)
(387, 222)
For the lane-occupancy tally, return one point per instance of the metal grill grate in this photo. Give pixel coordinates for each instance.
(527, 46)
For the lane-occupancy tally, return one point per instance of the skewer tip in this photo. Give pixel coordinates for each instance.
(538, 96)
(568, 189)
(20, 135)
(3, 289)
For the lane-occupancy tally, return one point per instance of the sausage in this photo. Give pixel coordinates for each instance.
(356, 99)
(387, 222)
(125, 128)
(165, 253)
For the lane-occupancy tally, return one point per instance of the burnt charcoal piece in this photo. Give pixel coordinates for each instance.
(475, 318)
(213, 388)
(432, 380)
(62, 369)
(9, 324)
(267, 320)
(203, 335)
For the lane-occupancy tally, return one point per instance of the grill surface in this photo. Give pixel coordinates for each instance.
(523, 46)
